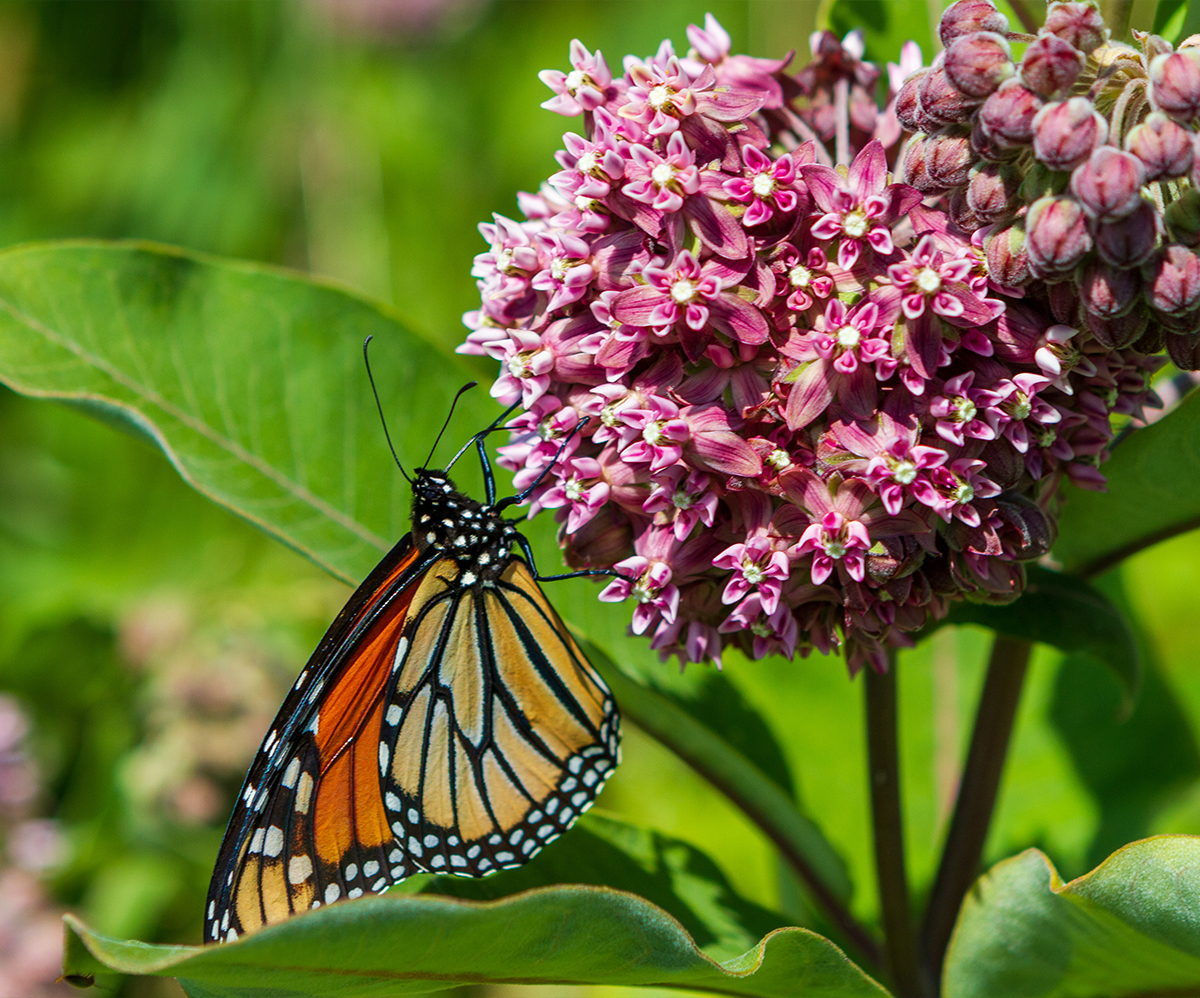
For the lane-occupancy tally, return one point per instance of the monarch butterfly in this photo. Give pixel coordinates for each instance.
(446, 723)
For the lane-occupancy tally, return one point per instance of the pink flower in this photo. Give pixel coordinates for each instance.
(662, 434)
(898, 463)
(576, 487)
(526, 371)
(957, 411)
(756, 566)
(661, 181)
(686, 498)
(648, 582)
(567, 276)
(805, 274)
(585, 88)
(765, 187)
(954, 488)
(774, 632)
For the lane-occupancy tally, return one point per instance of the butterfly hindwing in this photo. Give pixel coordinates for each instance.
(446, 723)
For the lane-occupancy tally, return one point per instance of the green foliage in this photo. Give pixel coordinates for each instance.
(400, 944)
(1127, 928)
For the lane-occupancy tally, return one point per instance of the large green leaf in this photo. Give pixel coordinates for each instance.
(250, 379)
(407, 944)
(1067, 613)
(1153, 494)
(1130, 927)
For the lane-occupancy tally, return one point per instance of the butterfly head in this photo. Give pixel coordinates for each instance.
(462, 528)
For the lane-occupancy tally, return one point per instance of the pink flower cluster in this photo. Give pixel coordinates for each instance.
(778, 393)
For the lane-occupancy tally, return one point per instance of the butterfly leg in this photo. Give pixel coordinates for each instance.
(523, 542)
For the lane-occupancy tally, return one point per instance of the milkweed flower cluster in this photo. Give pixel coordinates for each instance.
(794, 401)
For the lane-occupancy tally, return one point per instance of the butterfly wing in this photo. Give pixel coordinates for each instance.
(497, 733)
(442, 725)
(311, 797)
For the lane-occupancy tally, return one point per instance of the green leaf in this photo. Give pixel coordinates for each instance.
(250, 379)
(1067, 613)
(1169, 18)
(1153, 494)
(1130, 927)
(603, 851)
(407, 944)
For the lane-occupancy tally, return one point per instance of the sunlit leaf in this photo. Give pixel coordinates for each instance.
(1129, 927)
(1067, 613)
(1153, 493)
(250, 379)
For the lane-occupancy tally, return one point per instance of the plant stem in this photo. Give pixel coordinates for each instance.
(1026, 16)
(888, 826)
(976, 797)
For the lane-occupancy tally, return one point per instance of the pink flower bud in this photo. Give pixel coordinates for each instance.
(1164, 147)
(1175, 84)
(992, 191)
(987, 147)
(1130, 241)
(1051, 66)
(1121, 331)
(976, 64)
(907, 105)
(967, 16)
(962, 214)
(1008, 115)
(1077, 23)
(1008, 256)
(1066, 132)
(948, 159)
(1057, 236)
(1184, 351)
(941, 104)
(915, 173)
(1106, 291)
(1109, 184)
(1173, 280)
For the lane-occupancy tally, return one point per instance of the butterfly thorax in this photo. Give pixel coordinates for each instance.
(476, 536)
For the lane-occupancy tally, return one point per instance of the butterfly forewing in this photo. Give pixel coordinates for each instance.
(447, 723)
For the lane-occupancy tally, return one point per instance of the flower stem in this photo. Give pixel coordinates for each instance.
(963, 852)
(888, 826)
(1026, 16)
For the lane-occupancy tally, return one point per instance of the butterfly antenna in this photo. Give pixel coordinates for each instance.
(379, 405)
(459, 394)
(495, 424)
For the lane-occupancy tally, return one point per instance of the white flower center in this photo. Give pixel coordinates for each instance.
(855, 224)
(779, 459)
(683, 291)
(1019, 407)
(762, 629)
(848, 337)
(587, 162)
(659, 97)
(904, 472)
(573, 490)
(585, 204)
(801, 277)
(928, 280)
(642, 593)
(1046, 437)
(558, 268)
(752, 573)
(835, 548)
(519, 364)
(763, 185)
(964, 493)
(608, 415)
(576, 79)
(683, 500)
(662, 174)
(653, 433)
(963, 410)
(504, 259)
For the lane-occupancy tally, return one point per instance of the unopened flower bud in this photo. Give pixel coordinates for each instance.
(1187, 324)
(1109, 184)
(602, 541)
(1008, 115)
(1077, 23)
(1008, 256)
(992, 191)
(1057, 236)
(1182, 219)
(914, 172)
(1173, 280)
(967, 16)
(988, 148)
(1066, 132)
(1106, 291)
(961, 212)
(1152, 340)
(1164, 147)
(1120, 331)
(1130, 241)
(940, 103)
(1175, 84)
(948, 159)
(976, 64)
(907, 105)
(1184, 351)
(1063, 299)
(1051, 66)
(1026, 531)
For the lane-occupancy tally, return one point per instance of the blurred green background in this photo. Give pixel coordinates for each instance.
(146, 636)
